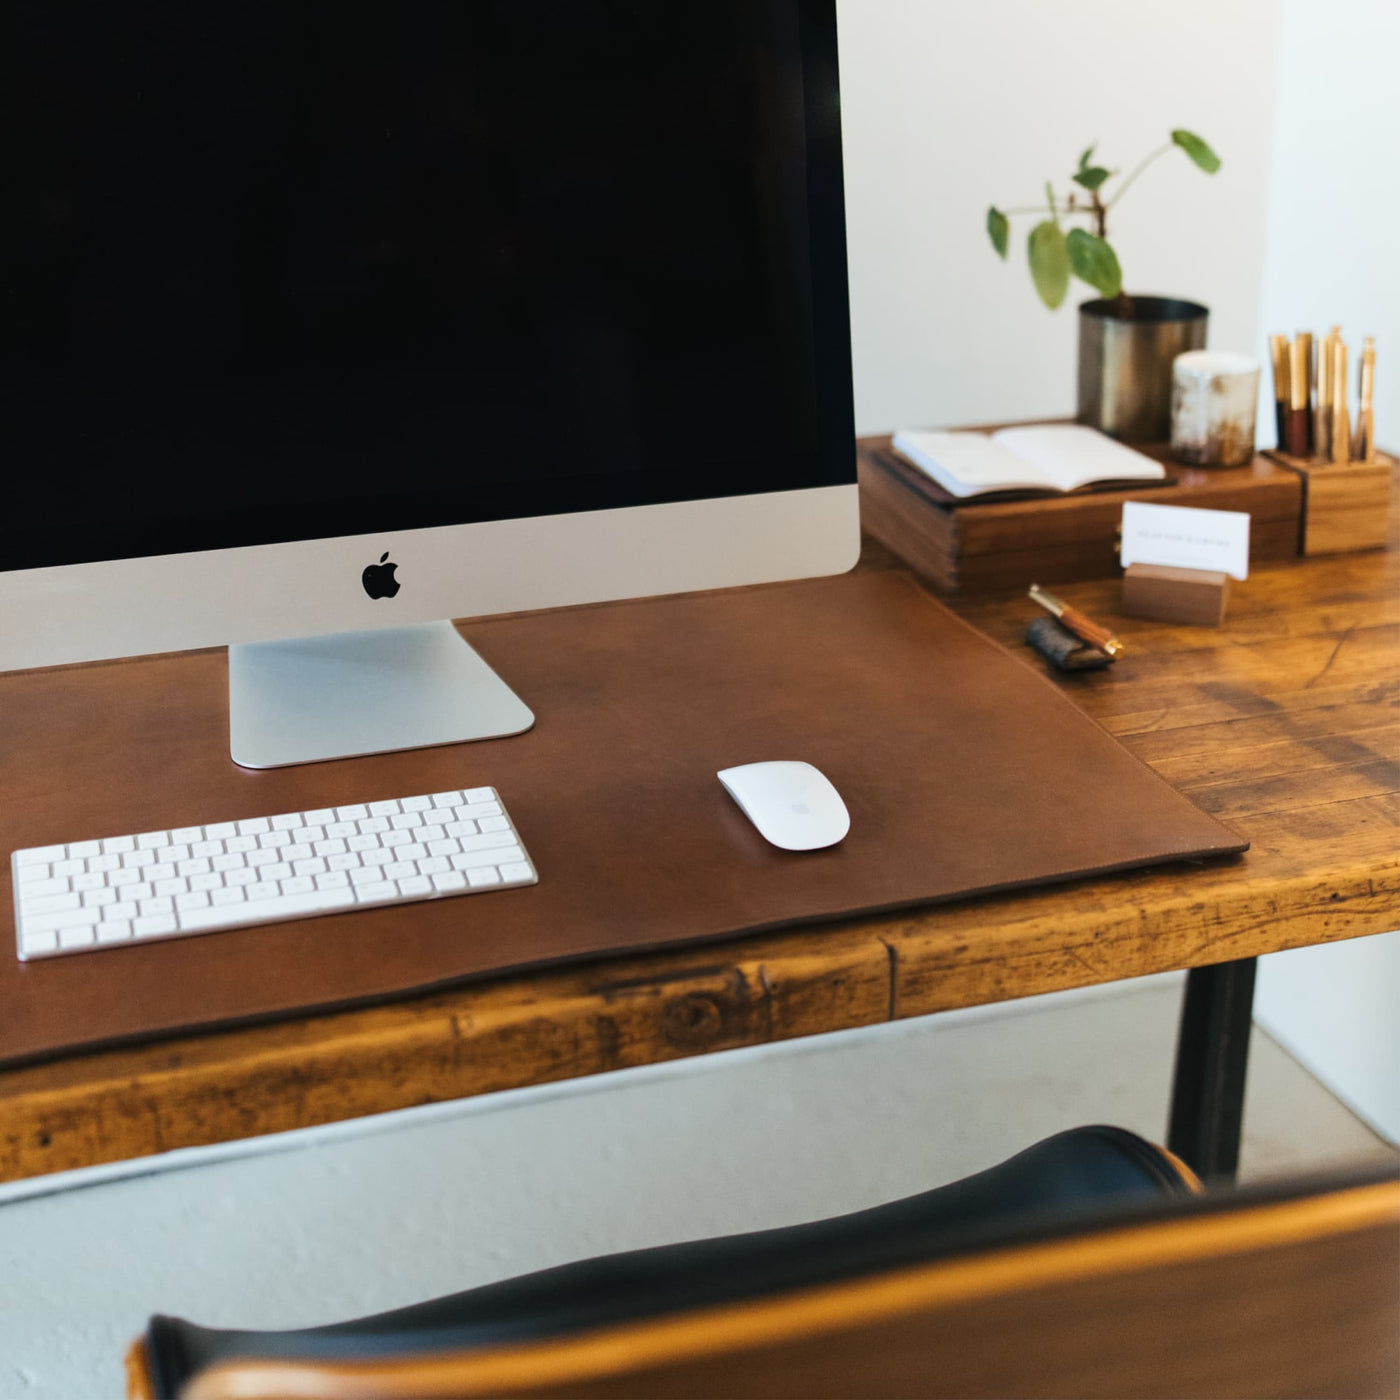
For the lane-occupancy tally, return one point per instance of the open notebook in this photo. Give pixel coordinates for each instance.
(1041, 457)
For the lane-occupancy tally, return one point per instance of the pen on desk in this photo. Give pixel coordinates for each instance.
(1083, 627)
(1364, 446)
(1341, 415)
(1278, 353)
(1298, 397)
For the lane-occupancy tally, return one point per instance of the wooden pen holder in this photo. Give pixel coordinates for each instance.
(1346, 505)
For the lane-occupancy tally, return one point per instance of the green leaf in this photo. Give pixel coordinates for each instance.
(1049, 262)
(1094, 262)
(1197, 150)
(1087, 156)
(998, 229)
(1091, 177)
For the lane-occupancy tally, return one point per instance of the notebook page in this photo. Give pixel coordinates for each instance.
(967, 464)
(1071, 455)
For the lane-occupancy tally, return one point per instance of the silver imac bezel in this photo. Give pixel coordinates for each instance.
(179, 602)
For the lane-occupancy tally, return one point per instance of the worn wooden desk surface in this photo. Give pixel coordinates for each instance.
(1282, 723)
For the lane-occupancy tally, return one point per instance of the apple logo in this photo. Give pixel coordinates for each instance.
(379, 580)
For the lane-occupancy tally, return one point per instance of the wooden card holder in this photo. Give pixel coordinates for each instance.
(1195, 597)
(1346, 505)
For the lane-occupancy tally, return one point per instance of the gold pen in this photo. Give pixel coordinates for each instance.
(1364, 448)
(1298, 396)
(1083, 627)
(1341, 417)
(1309, 397)
(1322, 419)
(1278, 353)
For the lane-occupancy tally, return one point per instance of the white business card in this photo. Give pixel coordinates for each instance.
(1185, 538)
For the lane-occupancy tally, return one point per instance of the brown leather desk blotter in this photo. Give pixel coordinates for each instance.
(964, 772)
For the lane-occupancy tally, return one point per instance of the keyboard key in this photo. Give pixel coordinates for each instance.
(314, 866)
(179, 885)
(40, 888)
(196, 899)
(52, 903)
(485, 875)
(400, 870)
(263, 889)
(81, 850)
(153, 840)
(74, 937)
(119, 845)
(384, 809)
(245, 876)
(104, 862)
(27, 874)
(446, 799)
(161, 870)
(241, 843)
(415, 804)
(349, 861)
(63, 918)
(227, 895)
(404, 820)
(298, 884)
(380, 892)
(186, 835)
(35, 942)
(153, 924)
(40, 855)
(220, 831)
(98, 899)
(434, 865)
(207, 848)
(318, 816)
(485, 794)
(157, 904)
(517, 870)
(332, 880)
(474, 811)
(415, 884)
(75, 867)
(287, 821)
(254, 826)
(206, 882)
(298, 850)
(113, 930)
(355, 812)
(448, 881)
(494, 824)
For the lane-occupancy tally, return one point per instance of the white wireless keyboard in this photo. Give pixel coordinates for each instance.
(87, 895)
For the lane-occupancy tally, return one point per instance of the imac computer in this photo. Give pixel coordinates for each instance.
(323, 321)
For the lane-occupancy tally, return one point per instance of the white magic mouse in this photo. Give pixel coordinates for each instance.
(792, 804)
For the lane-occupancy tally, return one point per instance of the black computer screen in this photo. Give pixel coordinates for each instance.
(285, 269)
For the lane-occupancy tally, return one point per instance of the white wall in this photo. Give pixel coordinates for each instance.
(1334, 212)
(949, 107)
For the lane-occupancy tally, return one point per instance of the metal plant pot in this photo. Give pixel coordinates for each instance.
(1125, 362)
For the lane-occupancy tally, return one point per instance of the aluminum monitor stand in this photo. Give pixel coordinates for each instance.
(311, 699)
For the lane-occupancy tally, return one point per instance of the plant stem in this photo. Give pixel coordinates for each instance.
(1040, 209)
(1136, 171)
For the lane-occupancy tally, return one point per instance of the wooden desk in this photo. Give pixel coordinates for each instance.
(1282, 722)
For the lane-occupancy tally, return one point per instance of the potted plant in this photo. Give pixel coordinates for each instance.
(1126, 343)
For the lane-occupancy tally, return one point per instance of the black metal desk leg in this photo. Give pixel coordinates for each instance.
(1212, 1054)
